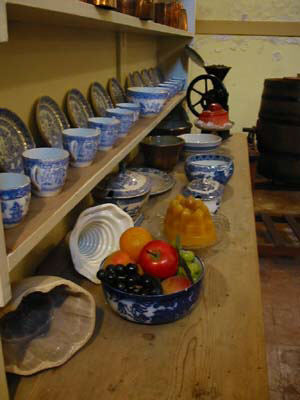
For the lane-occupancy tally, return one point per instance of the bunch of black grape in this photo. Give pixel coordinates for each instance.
(127, 279)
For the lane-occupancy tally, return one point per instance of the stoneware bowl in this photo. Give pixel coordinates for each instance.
(82, 144)
(47, 321)
(162, 152)
(218, 167)
(129, 190)
(200, 142)
(131, 107)
(15, 194)
(126, 118)
(47, 168)
(150, 99)
(109, 129)
(96, 235)
(152, 310)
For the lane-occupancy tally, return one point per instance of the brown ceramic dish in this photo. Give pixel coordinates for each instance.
(162, 152)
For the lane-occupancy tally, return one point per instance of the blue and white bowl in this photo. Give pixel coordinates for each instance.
(15, 194)
(47, 168)
(129, 190)
(109, 129)
(153, 309)
(172, 90)
(125, 117)
(181, 81)
(217, 167)
(131, 107)
(150, 99)
(176, 85)
(200, 142)
(82, 144)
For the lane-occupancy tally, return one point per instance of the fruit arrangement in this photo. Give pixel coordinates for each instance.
(147, 267)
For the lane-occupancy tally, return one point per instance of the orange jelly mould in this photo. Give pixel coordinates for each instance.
(189, 219)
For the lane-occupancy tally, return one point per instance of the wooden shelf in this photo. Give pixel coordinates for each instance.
(45, 213)
(74, 13)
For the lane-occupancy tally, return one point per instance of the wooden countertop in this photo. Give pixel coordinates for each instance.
(215, 353)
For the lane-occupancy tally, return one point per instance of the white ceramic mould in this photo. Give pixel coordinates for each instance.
(96, 235)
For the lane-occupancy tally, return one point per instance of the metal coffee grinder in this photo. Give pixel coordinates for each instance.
(206, 90)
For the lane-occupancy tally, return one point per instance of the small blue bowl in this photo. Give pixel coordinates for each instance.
(153, 310)
(215, 166)
(150, 99)
(15, 194)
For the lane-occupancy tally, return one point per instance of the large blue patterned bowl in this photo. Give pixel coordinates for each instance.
(153, 310)
(215, 166)
(150, 99)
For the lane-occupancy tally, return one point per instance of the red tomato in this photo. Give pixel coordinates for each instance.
(159, 259)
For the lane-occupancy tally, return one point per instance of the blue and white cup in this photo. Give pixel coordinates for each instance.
(82, 144)
(47, 168)
(182, 82)
(125, 117)
(110, 131)
(15, 194)
(131, 107)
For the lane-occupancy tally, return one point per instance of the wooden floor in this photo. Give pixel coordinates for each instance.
(280, 281)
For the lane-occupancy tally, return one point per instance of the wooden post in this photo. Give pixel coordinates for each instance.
(3, 22)
(122, 57)
(5, 292)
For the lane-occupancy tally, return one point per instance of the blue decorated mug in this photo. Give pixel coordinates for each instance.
(82, 144)
(15, 194)
(126, 118)
(47, 169)
(110, 130)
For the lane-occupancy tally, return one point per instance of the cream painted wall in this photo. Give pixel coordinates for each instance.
(252, 58)
(252, 10)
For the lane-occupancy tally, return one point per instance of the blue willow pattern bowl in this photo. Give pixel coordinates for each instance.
(153, 310)
(215, 166)
(150, 99)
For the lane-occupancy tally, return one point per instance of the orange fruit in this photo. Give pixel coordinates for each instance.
(133, 240)
(118, 257)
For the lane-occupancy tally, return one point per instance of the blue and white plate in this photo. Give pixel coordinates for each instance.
(161, 181)
(51, 121)
(100, 99)
(15, 138)
(78, 108)
(200, 142)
